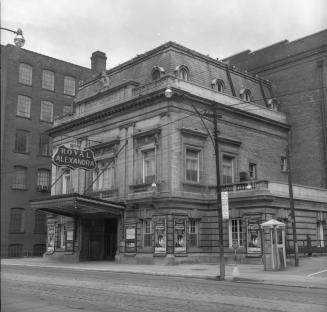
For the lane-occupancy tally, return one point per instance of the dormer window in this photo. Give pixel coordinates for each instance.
(272, 104)
(157, 72)
(182, 72)
(245, 95)
(218, 85)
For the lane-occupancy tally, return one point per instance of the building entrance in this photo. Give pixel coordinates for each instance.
(102, 240)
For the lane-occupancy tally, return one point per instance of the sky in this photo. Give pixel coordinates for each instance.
(71, 30)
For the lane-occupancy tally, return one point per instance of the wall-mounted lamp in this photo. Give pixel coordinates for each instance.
(168, 92)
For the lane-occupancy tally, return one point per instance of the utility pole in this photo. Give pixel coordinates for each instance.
(290, 188)
(220, 214)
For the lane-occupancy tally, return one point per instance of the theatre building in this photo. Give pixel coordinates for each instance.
(134, 166)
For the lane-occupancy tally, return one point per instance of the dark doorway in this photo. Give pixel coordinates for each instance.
(110, 239)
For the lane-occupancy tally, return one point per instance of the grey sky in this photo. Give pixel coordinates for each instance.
(71, 30)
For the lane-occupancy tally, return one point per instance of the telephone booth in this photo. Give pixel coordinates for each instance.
(273, 241)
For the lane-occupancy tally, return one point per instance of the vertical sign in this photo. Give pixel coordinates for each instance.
(224, 205)
(179, 235)
(160, 236)
(69, 227)
(130, 238)
(51, 237)
(253, 237)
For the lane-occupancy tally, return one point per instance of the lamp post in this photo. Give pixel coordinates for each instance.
(19, 39)
(169, 93)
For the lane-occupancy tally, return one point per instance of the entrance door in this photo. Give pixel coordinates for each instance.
(110, 239)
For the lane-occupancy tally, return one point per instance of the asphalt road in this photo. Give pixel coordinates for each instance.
(34, 289)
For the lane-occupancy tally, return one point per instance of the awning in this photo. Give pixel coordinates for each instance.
(76, 205)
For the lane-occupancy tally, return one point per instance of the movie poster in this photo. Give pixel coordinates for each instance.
(51, 237)
(160, 236)
(253, 237)
(130, 238)
(179, 236)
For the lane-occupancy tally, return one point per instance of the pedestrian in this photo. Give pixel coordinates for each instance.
(309, 245)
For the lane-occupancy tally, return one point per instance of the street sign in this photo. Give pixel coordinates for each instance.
(235, 244)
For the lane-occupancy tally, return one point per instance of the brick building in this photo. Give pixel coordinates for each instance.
(298, 72)
(34, 90)
(152, 197)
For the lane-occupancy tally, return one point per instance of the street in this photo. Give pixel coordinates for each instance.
(41, 289)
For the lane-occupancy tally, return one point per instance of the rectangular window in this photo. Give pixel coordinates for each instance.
(45, 146)
(48, 80)
(149, 170)
(253, 171)
(192, 165)
(17, 220)
(43, 179)
(66, 182)
(25, 74)
(69, 85)
(20, 175)
(40, 223)
(283, 163)
(46, 111)
(193, 232)
(236, 232)
(24, 106)
(147, 233)
(228, 169)
(104, 175)
(21, 143)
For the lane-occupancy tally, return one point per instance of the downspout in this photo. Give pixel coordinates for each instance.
(321, 65)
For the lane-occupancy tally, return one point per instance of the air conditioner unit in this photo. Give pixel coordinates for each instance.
(44, 188)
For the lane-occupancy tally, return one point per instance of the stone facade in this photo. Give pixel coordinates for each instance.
(149, 124)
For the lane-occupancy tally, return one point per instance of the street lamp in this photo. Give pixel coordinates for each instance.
(19, 39)
(169, 93)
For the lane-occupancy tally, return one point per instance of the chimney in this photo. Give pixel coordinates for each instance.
(98, 61)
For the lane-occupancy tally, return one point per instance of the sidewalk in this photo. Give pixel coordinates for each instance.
(311, 272)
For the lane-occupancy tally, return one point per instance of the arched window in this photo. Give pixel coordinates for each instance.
(157, 72)
(182, 72)
(245, 95)
(218, 85)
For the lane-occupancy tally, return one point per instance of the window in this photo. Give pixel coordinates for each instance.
(21, 144)
(48, 80)
(17, 216)
(182, 72)
(106, 179)
(245, 95)
(45, 146)
(192, 165)
(40, 223)
(147, 233)
(60, 236)
(228, 169)
(252, 171)
(193, 232)
(218, 85)
(25, 74)
(23, 106)
(149, 170)
(157, 72)
(15, 250)
(20, 178)
(320, 234)
(283, 163)
(66, 182)
(46, 111)
(43, 179)
(236, 232)
(69, 85)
